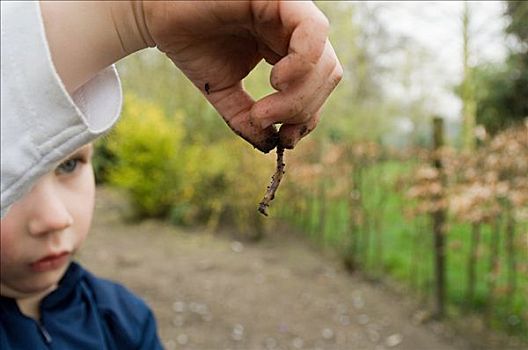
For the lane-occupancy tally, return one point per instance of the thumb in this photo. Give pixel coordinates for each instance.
(234, 105)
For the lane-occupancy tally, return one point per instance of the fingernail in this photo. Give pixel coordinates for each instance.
(265, 123)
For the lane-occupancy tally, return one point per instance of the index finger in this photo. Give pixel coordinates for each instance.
(309, 32)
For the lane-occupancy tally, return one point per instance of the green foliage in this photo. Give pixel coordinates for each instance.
(170, 90)
(149, 155)
(501, 94)
(224, 183)
(518, 13)
(493, 96)
(502, 89)
(214, 183)
(103, 160)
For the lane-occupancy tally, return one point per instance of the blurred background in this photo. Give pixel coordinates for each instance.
(417, 172)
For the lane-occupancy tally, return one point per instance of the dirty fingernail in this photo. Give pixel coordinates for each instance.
(265, 123)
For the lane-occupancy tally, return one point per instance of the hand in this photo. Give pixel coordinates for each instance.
(216, 44)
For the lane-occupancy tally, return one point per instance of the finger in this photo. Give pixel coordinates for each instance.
(291, 134)
(269, 28)
(329, 82)
(310, 28)
(281, 107)
(234, 105)
(301, 100)
(309, 31)
(269, 55)
(288, 69)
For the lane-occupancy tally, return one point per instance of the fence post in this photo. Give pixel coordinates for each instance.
(438, 219)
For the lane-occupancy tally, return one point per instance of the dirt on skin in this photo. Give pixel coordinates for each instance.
(209, 291)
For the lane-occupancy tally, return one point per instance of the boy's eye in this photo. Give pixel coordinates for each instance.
(67, 166)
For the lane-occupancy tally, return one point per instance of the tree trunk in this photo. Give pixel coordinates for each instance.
(472, 262)
(493, 265)
(469, 106)
(350, 257)
(438, 219)
(415, 257)
(510, 248)
(322, 211)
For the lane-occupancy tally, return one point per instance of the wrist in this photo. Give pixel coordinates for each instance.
(130, 25)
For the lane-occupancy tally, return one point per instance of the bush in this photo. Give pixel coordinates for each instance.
(213, 183)
(149, 157)
(103, 160)
(233, 184)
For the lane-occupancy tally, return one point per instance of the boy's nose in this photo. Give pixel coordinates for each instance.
(50, 212)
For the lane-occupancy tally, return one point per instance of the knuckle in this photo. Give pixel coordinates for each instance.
(338, 73)
(321, 21)
(264, 11)
(324, 23)
(302, 118)
(305, 117)
(296, 107)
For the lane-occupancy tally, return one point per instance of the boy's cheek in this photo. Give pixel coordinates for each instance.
(8, 248)
(14, 219)
(12, 236)
(7, 230)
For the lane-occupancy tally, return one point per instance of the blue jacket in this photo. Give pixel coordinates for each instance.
(84, 312)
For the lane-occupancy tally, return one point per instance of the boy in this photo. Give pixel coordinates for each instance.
(47, 300)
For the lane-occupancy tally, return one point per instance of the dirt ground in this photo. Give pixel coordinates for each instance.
(212, 292)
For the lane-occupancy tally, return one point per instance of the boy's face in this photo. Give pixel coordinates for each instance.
(42, 231)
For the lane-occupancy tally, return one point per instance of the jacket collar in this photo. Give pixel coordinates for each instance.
(62, 294)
